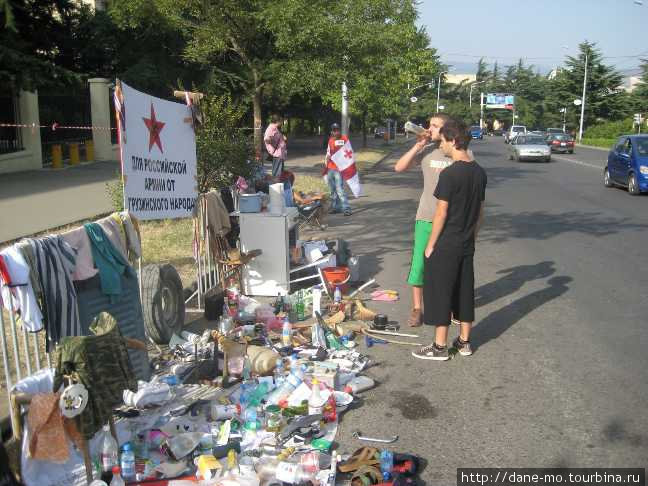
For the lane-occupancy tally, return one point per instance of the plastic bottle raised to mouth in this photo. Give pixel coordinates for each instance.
(413, 128)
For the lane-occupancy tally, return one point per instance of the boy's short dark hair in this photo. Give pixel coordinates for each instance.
(457, 132)
(276, 118)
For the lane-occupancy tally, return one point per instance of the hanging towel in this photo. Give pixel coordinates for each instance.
(109, 260)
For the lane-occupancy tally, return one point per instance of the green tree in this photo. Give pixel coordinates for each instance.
(604, 98)
(640, 93)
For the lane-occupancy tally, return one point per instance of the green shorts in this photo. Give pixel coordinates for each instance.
(422, 230)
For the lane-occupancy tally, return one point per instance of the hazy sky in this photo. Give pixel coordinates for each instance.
(463, 31)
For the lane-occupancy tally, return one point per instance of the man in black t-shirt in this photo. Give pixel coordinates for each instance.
(449, 282)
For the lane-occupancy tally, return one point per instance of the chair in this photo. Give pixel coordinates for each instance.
(310, 215)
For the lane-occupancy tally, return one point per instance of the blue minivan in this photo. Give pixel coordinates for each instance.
(627, 164)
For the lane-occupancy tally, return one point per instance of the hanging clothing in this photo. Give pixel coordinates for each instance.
(27, 251)
(133, 240)
(110, 261)
(101, 363)
(78, 239)
(47, 438)
(22, 290)
(215, 212)
(55, 262)
(114, 230)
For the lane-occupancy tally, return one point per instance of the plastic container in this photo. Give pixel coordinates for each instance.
(128, 462)
(359, 384)
(337, 276)
(414, 128)
(315, 402)
(117, 480)
(386, 464)
(109, 454)
(286, 333)
(279, 373)
(291, 383)
(249, 203)
(337, 296)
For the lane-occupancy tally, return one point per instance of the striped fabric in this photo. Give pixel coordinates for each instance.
(56, 261)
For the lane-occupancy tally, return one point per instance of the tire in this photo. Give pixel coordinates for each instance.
(607, 180)
(548, 159)
(633, 187)
(163, 306)
(570, 151)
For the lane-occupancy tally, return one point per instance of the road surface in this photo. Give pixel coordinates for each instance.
(558, 378)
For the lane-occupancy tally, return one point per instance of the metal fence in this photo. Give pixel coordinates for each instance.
(10, 140)
(66, 110)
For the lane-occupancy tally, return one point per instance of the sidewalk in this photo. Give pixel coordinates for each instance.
(39, 200)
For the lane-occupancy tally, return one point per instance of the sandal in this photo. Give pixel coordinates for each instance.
(366, 476)
(365, 456)
(415, 318)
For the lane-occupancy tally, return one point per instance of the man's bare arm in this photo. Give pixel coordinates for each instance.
(440, 216)
(412, 155)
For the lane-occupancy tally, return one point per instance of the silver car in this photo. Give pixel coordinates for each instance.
(529, 147)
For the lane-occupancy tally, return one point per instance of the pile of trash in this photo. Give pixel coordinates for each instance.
(255, 402)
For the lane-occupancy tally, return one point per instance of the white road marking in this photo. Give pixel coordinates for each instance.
(578, 162)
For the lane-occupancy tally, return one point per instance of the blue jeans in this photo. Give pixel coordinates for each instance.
(339, 201)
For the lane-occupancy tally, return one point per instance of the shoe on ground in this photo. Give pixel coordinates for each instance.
(347, 212)
(463, 349)
(433, 353)
(333, 211)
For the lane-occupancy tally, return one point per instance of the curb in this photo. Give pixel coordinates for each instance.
(593, 147)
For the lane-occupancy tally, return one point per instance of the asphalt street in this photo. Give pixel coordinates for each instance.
(558, 377)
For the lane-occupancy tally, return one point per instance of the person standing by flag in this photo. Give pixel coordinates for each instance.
(339, 200)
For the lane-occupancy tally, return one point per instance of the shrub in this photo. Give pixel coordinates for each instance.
(610, 129)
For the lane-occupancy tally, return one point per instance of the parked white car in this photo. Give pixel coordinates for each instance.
(529, 147)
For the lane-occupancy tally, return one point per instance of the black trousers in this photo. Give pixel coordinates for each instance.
(448, 287)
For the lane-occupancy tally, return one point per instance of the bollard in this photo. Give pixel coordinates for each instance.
(57, 157)
(89, 150)
(74, 154)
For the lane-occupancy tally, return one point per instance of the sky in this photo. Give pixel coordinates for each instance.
(464, 31)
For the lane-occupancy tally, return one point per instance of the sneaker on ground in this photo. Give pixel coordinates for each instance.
(347, 212)
(463, 349)
(432, 352)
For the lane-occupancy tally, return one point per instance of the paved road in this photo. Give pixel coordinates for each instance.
(559, 374)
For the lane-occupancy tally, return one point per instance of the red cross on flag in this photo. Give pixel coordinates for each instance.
(345, 162)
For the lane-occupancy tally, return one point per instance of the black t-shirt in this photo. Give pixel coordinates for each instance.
(463, 186)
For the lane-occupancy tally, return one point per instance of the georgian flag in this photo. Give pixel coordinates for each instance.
(345, 162)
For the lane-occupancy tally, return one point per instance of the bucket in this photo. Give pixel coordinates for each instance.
(337, 277)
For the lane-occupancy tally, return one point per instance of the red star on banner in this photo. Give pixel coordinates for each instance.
(154, 127)
(348, 154)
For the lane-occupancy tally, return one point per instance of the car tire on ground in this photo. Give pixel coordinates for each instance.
(570, 151)
(548, 159)
(607, 181)
(633, 187)
(163, 306)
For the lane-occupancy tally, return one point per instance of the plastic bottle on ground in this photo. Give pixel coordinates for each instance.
(386, 463)
(109, 455)
(117, 479)
(337, 296)
(286, 333)
(279, 373)
(359, 384)
(291, 473)
(128, 462)
(292, 381)
(315, 402)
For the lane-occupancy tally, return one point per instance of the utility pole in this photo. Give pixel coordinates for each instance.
(580, 132)
(481, 111)
(439, 90)
(564, 110)
(345, 110)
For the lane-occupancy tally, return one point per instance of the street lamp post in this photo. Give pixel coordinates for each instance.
(439, 89)
(580, 131)
(564, 112)
(471, 88)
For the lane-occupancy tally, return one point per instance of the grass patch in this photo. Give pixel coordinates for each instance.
(607, 143)
(170, 241)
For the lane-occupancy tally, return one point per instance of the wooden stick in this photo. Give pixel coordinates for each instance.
(389, 333)
(391, 341)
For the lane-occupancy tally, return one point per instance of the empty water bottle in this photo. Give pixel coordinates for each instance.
(386, 464)
(337, 296)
